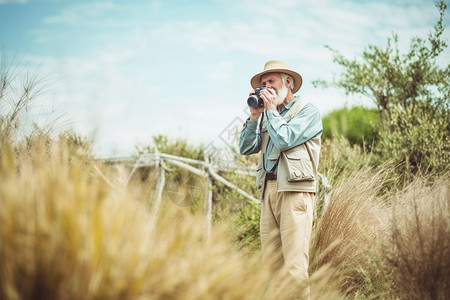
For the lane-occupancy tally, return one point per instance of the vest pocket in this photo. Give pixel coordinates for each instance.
(299, 167)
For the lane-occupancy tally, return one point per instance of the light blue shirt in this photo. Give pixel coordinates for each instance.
(302, 127)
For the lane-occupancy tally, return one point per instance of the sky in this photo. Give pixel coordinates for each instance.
(120, 72)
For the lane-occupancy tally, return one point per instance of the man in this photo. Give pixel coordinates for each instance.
(286, 130)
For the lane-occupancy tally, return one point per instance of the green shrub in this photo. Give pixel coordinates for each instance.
(357, 124)
(247, 226)
(181, 186)
(417, 141)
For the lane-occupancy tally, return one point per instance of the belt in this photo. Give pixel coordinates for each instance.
(271, 176)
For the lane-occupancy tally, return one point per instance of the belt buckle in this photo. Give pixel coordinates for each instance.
(271, 176)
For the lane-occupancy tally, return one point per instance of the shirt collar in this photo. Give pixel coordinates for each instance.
(288, 106)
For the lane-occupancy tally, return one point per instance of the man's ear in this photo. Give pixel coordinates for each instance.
(288, 82)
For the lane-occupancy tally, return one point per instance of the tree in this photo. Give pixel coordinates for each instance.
(411, 93)
(390, 79)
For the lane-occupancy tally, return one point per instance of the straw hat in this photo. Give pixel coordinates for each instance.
(277, 66)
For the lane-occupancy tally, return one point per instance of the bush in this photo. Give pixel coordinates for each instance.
(386, 245)
(418, 141)
(181, 186)
(357, 124)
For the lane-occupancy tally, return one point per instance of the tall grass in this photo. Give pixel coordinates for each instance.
(348, 231)
(66, 234)
(417, 248)
(383, 245)
(20, 90)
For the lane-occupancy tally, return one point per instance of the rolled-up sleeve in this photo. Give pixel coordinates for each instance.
(250, 138)
(304, 126)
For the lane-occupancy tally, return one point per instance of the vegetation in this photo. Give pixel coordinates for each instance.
(66, 234)
(182, 187)
(187, 189)
(357, 124)
(74, 228)
(73, 235)
(411, 93)
(19, 92)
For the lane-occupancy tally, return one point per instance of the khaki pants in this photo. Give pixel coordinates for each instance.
(286, 224)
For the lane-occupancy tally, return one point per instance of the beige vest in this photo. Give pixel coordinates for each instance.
(297, 166)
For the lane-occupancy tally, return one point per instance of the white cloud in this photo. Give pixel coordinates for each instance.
(251, 38)
(81, 14)
(105, 14)
(220, 71)
(116, 90)
(13, 1)
(290, 26)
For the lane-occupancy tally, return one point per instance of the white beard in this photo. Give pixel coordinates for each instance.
(281, 94)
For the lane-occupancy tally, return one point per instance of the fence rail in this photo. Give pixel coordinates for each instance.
(198, 167)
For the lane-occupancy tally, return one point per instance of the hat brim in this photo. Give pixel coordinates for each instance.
(256, 80)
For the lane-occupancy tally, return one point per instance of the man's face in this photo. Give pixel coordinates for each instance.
(273, 80)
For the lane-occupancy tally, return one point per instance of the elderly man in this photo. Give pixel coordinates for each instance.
(286, 131)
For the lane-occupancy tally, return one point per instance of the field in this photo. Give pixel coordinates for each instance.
(65, 233)
(75, 226)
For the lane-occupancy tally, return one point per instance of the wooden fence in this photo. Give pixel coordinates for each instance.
(203, 168)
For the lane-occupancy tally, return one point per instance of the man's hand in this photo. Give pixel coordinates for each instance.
(255, 112)
(269, 97)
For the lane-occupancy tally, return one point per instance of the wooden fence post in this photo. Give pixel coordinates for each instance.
(207, 207)
(157, 196)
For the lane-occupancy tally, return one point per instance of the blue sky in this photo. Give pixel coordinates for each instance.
(124, 71)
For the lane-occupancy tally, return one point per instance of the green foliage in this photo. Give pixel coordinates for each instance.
(181, 186)
(377, 281)
(418, 142)
(391, 79)
(179, 147)
(238, 210)
(356, 124)
(247, 224)
(411, 92)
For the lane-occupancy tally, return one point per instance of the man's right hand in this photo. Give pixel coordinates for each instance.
(255, 113)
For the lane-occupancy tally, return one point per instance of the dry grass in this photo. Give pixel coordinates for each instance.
(417, 248)
(348, 231)
(388, 246)
(66, 234)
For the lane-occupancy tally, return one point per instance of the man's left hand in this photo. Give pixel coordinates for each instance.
(269, 97)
